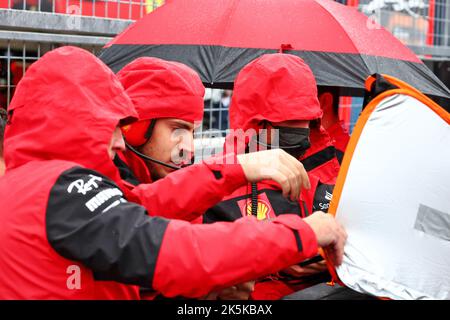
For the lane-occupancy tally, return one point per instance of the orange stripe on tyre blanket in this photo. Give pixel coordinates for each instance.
(392, 197)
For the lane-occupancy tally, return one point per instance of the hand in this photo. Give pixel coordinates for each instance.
(331, 236)
(276, 165)
(309, 270)
(238, 292)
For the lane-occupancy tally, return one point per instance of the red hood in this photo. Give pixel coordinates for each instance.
(274, 87)
(163, 89)
(66, 108)
(320, 139)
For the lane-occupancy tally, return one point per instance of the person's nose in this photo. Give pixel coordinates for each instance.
(119, 143)
(186, 158)
(186, 148)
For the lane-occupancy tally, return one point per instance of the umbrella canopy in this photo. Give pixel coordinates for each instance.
(217, 38)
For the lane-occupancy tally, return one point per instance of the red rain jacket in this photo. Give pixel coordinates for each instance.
(340, 138)
(282, 87)
(184, 194)
(321, 159)
(276, 88)
(163, 89)
(167, 89)
(68, 231)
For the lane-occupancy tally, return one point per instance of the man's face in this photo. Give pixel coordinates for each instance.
(116, 144)
(172, 142)
(291, 136)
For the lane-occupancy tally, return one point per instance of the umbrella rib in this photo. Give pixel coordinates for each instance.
(231, 10)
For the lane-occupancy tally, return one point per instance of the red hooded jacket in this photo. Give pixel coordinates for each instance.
(340, 138)
(68, 231)
(321, 159)
(276, 88)
(167, 89)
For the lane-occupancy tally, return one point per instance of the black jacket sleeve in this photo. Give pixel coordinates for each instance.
(89, 221)
(322, 197)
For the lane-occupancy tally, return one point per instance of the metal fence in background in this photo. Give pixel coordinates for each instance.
(423, 25)
(111, 9)
(16, 57)
(30, 28)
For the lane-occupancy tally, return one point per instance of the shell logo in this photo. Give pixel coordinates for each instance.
(262, 212)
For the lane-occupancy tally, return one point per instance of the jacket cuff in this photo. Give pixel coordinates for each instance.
(304, 234)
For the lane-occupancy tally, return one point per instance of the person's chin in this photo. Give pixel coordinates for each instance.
(162, 173)
(168, 171)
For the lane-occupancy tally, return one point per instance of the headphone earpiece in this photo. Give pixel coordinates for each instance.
(136, 133)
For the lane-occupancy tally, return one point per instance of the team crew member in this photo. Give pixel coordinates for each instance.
(68, 231)
(168, 97)
(277, 92)
(329, 102)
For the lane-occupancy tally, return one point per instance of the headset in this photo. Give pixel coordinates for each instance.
(134, 137)
(138, 133)
(143, 156)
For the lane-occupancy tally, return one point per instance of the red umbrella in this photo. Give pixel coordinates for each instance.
(217, 38)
